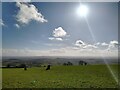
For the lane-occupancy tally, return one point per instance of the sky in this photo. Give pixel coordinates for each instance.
(0, 32)
(56, 29)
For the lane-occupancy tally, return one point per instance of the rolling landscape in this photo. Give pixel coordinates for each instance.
(93, 75)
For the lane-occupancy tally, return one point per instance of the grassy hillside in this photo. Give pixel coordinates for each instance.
(91, 76)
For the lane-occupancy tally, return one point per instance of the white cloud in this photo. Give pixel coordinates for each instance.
(22, 0)
(89, 46)
(80, 43)
(1, 22)
(59, 32)
(60, 39)
(113, 45)
(28, 12)
(53, 38)
(16, 25)
(114, 42)
(104, 44)
(80, 48)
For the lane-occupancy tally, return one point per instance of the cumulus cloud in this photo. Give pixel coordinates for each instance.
(82, 45)
(17, 26)
(58, 34)
(28, 12)
(114, 42)
(1, 22)
(113, 45)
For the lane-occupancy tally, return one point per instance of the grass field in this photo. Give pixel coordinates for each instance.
(90, 76)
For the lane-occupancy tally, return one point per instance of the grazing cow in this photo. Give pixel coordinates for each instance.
(48, 67)
(25, 67)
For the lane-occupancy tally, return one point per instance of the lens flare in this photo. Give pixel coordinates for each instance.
(101, 55)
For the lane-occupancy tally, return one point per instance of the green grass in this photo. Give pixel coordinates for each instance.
(91, 76)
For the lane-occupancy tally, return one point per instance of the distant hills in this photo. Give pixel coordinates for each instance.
(55, 60)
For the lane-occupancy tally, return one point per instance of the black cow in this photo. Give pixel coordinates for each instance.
(48, 67)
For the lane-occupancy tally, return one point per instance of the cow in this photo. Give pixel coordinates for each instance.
(48, 67)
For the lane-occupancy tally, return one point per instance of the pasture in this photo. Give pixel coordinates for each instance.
(90, 76)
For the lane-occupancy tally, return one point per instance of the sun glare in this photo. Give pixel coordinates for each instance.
(82, 10)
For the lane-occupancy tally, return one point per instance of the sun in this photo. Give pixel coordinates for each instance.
(82, 10)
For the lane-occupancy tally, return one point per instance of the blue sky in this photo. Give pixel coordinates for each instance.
(0, 28)
(55, 29)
